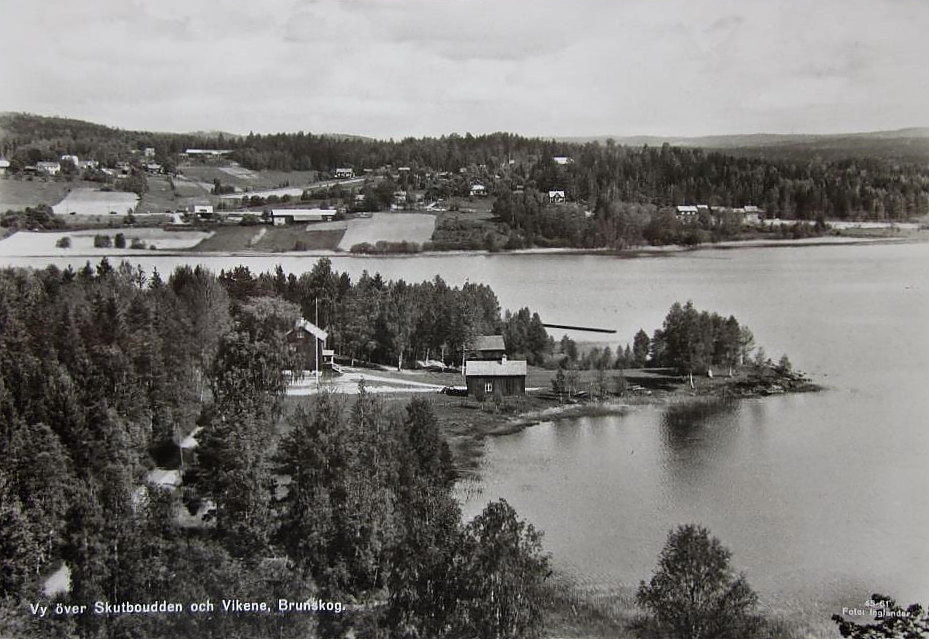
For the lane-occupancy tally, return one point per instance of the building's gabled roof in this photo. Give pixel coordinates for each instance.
(311, 328)
(487, 343)
(506, 368)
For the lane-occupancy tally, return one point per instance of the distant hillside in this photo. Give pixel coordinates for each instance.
(880, 175)
(213, 134)
(911, 145)
(33, 137)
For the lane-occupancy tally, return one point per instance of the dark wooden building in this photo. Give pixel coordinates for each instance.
(485, 347)
(309, 342)
(489, 377)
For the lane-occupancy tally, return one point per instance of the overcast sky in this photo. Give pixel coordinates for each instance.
(393, 68)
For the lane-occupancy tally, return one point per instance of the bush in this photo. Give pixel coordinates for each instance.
(102, 241)
(63, 242)
(120, 241)
(137, 243)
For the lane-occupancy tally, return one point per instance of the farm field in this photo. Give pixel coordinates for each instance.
(159, 197)
(82, 242)
(185, 187)
(279, 239)
(271, 239)
(162, 197)
(389, 227)
(229, 238)
(243, 178)
(88, 201)
(18, 194)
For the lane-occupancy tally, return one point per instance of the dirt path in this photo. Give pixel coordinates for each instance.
(347, 383)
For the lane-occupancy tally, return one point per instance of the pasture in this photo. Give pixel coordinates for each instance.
(82, 242)
(246, 179)
(87, 201)
(389, 227)
(18, 194)
(159, 197)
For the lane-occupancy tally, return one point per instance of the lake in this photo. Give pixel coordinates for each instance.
(822, 498)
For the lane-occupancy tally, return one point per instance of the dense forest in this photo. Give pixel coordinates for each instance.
(606, 175)
(395, 322)
(342, 505)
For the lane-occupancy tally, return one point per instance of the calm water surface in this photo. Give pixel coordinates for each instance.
(822, 498)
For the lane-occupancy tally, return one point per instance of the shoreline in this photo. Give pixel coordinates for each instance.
(466, 423)
(629, 253)
(595, 609)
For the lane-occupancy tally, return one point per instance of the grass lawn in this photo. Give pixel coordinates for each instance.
(159, 197)
(275, 239)
(285, 238)
(246, 179)
(83, 202)
(18, 194)
(389, 227)
(229, 238)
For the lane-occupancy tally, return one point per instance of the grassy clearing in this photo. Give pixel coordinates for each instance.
(18, 194)
(92, 202)
(190, 188)
(229, 238)
(272, 239)
(25, 243)
(292, 238)
(389, 227)
(589, 612)
(245, 179)
(159, 198)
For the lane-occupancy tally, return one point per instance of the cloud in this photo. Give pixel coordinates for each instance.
(401, 67)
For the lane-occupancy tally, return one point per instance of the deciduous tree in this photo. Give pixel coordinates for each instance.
(694, 593)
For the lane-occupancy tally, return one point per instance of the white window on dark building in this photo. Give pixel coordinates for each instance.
(488, 387)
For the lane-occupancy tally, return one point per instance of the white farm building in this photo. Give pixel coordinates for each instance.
(299, 216)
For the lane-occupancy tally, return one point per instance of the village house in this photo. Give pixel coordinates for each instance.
(73, 159)
(478, 190)
(344, 173)
(489, 378)
(4, 165)
(202, 209)
(487, 370)
(149, 152)
(485, 347)
(308, 342)
(282, 217)
(562, 160)
(686, 214)
(556, 197)
(750, 214)
(207, 153)
(49, 168)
